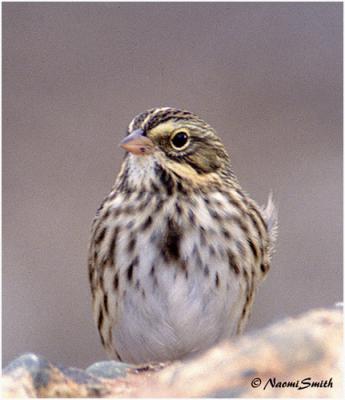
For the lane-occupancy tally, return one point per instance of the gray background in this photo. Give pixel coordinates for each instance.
(267, 76)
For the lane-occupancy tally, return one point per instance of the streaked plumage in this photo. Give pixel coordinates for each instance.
(177, 249)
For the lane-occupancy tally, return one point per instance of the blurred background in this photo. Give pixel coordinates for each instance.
(266, 76)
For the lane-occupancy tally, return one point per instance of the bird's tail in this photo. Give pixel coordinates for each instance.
(270, 214)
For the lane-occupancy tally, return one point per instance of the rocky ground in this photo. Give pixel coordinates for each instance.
(296, 357)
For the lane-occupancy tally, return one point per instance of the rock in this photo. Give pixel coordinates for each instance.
(31, 375)
(283, 360)
(109, 369)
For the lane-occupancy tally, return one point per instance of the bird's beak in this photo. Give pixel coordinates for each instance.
(137, 143)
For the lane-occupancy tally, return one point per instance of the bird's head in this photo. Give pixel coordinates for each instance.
(180, 141)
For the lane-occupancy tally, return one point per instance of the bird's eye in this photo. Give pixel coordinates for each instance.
(180, 140)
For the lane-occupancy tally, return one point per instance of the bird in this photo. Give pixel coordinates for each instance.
(177, 248)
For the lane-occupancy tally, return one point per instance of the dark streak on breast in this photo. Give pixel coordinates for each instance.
(232, 263)
(217, 280)
(133, 264)
(253, 249)
(100, 320)
(165, 178)
(116, 281)
(111, 252)
(170, 247)
(146, 223)
(100, 237)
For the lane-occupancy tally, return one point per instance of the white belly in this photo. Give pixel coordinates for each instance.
(173, 313)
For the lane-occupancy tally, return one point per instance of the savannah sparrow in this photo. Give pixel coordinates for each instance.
(177, 248)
